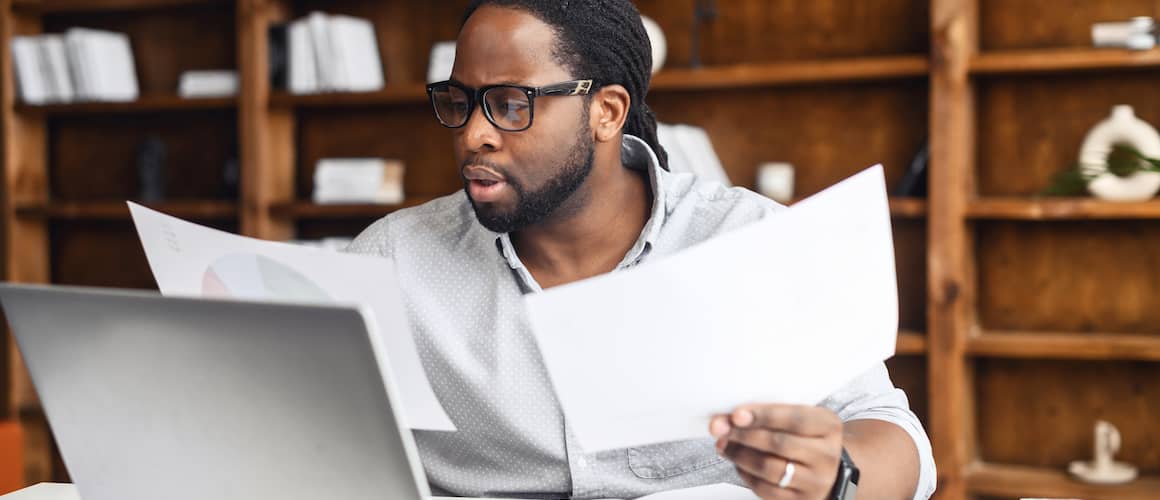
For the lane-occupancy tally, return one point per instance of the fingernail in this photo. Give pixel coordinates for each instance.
(743, 418)
(717, 427)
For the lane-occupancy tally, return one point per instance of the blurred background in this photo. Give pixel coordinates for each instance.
(1016, 135)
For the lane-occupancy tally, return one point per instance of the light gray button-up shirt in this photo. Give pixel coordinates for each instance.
(464, 288)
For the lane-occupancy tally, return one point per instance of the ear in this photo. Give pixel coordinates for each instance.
(608, 112)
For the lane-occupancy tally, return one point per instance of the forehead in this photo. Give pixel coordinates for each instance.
(506, 45)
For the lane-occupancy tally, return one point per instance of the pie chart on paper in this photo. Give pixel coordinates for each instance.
(255, 277)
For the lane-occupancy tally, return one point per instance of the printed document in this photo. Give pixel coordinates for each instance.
(192, 260)
(786, 310)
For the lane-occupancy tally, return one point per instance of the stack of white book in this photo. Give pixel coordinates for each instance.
(80, 65)
(358, 180)
(333, 53)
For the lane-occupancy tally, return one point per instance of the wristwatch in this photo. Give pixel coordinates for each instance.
(846, 485)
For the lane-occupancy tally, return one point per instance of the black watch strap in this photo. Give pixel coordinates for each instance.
(846, 484)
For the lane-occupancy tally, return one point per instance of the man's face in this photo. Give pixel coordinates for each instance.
(518, 179)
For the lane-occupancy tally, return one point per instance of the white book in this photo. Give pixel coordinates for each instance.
(74, 51)
(208, 83)
(106, 64)
(326, 61)
(30, 78)
(357, 51)
(303, 74)
(358, 180)
(53, 50)
(442, 60)
(118, 72)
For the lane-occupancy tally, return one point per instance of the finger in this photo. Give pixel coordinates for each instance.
(719, 426)
(771, 468)
(797, 419)
(767, 490)
(819, 453)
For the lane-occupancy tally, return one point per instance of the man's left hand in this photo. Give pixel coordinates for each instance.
(762, 439)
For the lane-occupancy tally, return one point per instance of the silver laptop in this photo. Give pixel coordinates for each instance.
(152, 397)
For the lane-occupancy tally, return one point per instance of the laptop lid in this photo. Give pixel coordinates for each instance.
(155, 397)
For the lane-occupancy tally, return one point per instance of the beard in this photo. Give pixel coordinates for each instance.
(533, 207)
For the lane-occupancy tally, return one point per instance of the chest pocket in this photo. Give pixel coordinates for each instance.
(663, 460)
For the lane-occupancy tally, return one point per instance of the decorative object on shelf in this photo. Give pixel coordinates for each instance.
(690, 150)
(151, 169)
(914, 181)
(358, 180)
(775, 180)
(1103, 469)
(1139, 33)
(1122, 128)
(208, 83)
(656, 39)
(442, 60)
(703, 12)
(231, 178)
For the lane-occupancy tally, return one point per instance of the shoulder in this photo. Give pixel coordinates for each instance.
(439, 221)
(701, 209)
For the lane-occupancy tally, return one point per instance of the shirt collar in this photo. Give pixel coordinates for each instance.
(637, 155)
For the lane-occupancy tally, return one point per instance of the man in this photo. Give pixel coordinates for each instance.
(564, 180)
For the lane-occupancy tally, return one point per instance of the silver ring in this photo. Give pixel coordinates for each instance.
(787, 476)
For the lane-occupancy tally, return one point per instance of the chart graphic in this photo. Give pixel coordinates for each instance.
(255, 277)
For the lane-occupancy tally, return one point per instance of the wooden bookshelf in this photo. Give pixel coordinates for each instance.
(1034, 209)
(90, 6)
(911, 343)
(792, 73)
(1062, 60)
(146, 104)
(402, 94)
(1049, 345)
(310, 210)
(1015, 481)
(118, 210)
(997, 287)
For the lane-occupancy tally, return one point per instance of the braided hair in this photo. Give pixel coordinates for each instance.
(603, 40)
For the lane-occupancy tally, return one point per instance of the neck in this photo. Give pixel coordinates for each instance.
(591, 232)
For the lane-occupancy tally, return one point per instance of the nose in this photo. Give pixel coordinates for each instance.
(478, 134)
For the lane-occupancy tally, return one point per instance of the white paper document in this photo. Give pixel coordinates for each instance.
(785, 310)
(192, 260)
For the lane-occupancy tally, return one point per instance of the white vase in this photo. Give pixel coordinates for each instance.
(656, 38)
(1121, 128)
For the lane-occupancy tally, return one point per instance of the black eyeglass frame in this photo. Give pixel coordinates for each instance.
(475, 96)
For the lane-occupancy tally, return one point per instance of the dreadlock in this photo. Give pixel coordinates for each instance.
(603, 40)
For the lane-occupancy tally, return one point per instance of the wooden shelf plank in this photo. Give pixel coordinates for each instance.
(392, 95)
(912, 208)
(1062, 60)
(71, 6)
(1022, 481)
(902, 207)
(310, 210)
(117, 210)
(792, 72)
(910, 342)
(1051, 345)
(1060, 209)
(731, 76)
(146, 104)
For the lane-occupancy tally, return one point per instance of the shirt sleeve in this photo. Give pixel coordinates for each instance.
(374, 240)
(873, 396)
